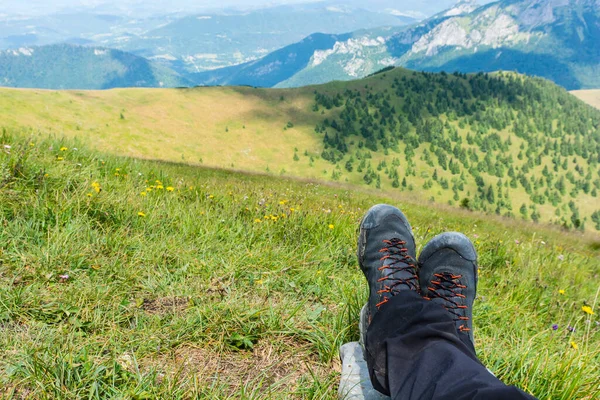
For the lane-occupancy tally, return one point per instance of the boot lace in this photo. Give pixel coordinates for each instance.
(399, 260)
(447, 286)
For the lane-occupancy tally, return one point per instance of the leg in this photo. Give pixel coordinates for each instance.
(414, 352)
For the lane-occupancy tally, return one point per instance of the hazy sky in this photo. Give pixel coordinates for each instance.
(36, 7)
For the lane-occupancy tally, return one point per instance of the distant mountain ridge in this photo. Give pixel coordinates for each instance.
(202, 42)
(76, 67)
(555, 39)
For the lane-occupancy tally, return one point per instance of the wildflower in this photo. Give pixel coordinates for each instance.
(542, 242)
(571, 329)
(7, 146)
(331, 226)
(282, 202)
(561, 291)
(292, 209)
(117, 169)
(89, 195)
(158, 182)
(143, 194)
(500, 241)
(475, 236)
(554, 327)
(31, 144)
(319, 272)
(574, 345)
(587, 310)
(141, 214)
(59, 158)
(160, 187)
(517, 241)
(96, 187)
(561, 257)
(63, 277)
(257, 220)
(170, 188)
(211, 197)
(63, 149)
(259, 282)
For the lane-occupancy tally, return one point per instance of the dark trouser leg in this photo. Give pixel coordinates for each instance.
(414, 352)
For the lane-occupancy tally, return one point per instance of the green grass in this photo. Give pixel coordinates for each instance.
(242, 128)
(244, 286)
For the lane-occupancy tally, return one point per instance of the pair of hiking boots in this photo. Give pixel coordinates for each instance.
(445, 272)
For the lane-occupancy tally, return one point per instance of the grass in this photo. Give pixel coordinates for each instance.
(592, 97)
(245, 129)
(215, 284)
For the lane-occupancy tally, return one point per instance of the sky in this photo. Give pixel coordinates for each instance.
(38, 7)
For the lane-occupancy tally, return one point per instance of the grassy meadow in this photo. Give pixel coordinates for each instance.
(534, 175)
(137, 279)
(592, 97)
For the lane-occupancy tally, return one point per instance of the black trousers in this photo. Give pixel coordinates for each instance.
(414, 352)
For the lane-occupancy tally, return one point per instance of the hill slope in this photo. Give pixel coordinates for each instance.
(505, 144)
(556, 39)
(67, 67)
(592, 97)
(131, 279)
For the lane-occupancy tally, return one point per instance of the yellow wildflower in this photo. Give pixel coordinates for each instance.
(574, 345)
(63, 149)
(96, 187)
(561, 291)
(292, 209)
(31, 144)
(331, 226)
(211, 197)
(59, 158)
(170, 188)
(257, 220)
(89, 195)
(160, 187)
(259, 282)
(143, 194)
(587, 310)
(141, 214)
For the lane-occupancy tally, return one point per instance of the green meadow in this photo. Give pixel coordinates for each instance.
(136, 279)
(501, 143)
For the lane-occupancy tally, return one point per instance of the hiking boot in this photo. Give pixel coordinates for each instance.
(448, 276)
(386, 255)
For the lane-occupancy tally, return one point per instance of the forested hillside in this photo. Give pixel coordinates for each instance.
(500, 142)
(76, 67)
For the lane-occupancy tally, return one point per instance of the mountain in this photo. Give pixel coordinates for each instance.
(502, 143)
(75, 67)
(207, 41)
(93, 28)
(554, 39)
